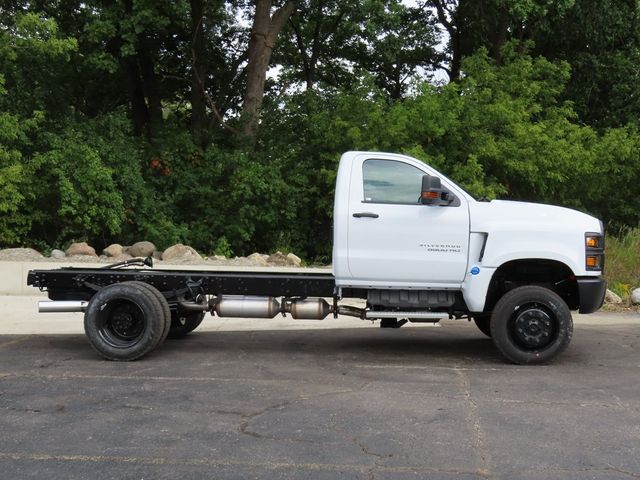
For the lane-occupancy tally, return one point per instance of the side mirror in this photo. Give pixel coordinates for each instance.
(432, 191)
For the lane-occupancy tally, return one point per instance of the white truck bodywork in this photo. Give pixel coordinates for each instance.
(454, 247)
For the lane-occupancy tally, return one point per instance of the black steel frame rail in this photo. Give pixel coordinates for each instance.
(82, 283)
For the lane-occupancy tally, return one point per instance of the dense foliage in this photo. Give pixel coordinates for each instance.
(171, 121)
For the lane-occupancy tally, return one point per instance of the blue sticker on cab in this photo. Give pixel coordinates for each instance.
(475, 270)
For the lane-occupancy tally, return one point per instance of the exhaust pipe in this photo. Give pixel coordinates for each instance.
(267, 307)
(62, 306)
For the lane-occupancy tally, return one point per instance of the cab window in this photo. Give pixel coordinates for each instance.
(390, 181)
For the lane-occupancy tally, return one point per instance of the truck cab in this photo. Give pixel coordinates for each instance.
(411, 237)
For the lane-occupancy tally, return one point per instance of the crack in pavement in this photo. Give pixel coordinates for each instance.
(378, 457)
(244, 426)
(473, 419)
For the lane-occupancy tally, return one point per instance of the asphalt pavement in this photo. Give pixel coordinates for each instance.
(314, 400)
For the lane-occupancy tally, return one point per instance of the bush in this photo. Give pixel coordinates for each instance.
(76, 196)
(622, 269)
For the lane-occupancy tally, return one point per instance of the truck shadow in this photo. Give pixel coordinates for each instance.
(356, 344)
(345, 345)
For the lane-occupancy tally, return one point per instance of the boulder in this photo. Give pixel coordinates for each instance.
(281, 260)
(294, 260)
(81, 248)
(180, 251)
(19, 254)
(57, 254)
(611, 297)
(113, 250)
(258, 259)
(278, 259)
(635, 296)
(120, 258)
(141, 249)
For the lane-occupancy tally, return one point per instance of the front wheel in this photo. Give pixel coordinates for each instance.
(531, 325)
(484, 324)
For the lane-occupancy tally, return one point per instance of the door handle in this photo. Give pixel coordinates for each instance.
(366, 214)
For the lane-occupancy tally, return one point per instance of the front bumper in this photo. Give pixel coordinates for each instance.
(591, 291)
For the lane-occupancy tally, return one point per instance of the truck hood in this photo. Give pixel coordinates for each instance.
(500, 215)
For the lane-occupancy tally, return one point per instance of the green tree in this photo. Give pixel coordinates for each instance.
(601, 43)
(14, 137)
(329, 44)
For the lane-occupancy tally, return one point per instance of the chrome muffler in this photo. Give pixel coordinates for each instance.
(246, 306)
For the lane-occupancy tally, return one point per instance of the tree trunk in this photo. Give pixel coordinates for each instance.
(264, 34)
(499, 37)
(447, 18)
(456, 57)
(139, 111)
(143, 85)
(151, 85)
(198, 97)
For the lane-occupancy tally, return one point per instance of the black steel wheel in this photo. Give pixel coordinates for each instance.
(531, 324)
(484, 324)
(184, 324)
(124, 321)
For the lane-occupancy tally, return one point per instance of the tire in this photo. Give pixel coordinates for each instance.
(483, 324)
(191, 322)
(163, 301)
(125, 321)
(531, 325)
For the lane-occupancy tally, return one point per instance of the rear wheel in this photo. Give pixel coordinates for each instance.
(125, 321)
(182, 325)
(163, 301)
(531, 324)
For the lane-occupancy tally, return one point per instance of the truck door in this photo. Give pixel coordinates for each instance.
(395, 239)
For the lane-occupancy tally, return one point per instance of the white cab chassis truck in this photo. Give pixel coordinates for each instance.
(408, 240)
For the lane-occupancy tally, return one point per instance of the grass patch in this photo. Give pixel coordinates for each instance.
(622, 268)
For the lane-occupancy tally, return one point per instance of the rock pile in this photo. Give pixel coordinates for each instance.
(176, 254)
